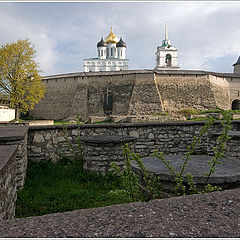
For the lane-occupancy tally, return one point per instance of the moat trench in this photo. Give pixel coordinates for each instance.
(226, 176)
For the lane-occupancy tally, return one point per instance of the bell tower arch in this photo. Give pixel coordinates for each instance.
(166, 55)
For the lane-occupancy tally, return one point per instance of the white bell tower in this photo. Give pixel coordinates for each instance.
(166, 55)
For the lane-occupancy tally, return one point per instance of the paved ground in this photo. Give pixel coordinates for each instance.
(211, 215)
(227, 172)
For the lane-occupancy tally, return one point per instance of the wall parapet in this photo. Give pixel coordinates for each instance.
(120, 125)
(13, 166)
(46, 142)
(8, 192)
(17, 135)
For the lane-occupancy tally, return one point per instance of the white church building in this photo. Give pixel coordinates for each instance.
(111, 56)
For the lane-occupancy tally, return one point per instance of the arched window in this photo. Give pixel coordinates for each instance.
(236, 104)
(168, 60)
(112, 52)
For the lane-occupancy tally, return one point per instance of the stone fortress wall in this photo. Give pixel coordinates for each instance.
(135, 93)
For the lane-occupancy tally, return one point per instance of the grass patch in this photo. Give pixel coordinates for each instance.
(63, 122)
(235, 111)
(199, 119)
(196, 112)
(161, 114)
(52, 188)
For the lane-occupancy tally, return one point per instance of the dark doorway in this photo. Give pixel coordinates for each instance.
(108, 103)
(236, 104)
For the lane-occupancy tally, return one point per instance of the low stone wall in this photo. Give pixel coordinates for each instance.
(233, 148)
(13, 166)
(106, 149)
(17, 135)
(50, 142)
(8, 192)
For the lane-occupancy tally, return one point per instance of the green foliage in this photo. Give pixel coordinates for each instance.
(196, 112)
(180, 188)
(235, 111)
(216, 110)
(161, 114)
(149, 187)
(221, 146)
(199, 119)
(140, 188)
(188, 111)
(129, 180)
(52, 188)
(64, 122)
(20, 75)
(76, 151)
(61, 122)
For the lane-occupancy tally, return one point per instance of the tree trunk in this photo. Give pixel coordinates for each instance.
(16, 113)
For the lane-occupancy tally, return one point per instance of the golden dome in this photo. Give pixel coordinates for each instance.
(111, 38)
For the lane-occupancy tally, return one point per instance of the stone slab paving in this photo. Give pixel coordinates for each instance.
(213, 215)
(227, 172)
(6, 152)
(8, 133)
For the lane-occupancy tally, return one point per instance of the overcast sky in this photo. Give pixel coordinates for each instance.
(206, 34)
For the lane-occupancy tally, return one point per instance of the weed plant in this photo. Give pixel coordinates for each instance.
(150, 187)
(138, 188)
(76, 151)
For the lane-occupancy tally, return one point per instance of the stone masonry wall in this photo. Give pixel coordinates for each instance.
(8, 191)
(58, 100)
(192, 92)
(13, 166)
(18, 136)
(133, 92)
(145, 97)
(234, 84)
(120, 86)
(49, 142)
(221, 91)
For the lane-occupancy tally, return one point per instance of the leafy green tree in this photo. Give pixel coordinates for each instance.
(20, 78)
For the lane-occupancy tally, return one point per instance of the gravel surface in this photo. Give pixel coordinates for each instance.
(211, 215)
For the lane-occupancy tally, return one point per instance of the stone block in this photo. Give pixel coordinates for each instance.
(151, 136)
(38, 138)
(48, 136)
(134, 134)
